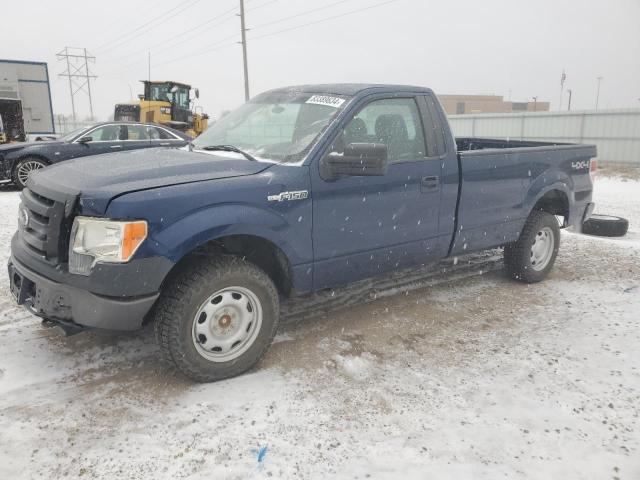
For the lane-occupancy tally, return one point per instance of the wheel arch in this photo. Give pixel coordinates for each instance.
(254, 248)
(555, 201)
(11, 171)
(38, 156)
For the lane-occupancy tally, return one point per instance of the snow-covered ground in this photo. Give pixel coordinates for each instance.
(477, 378)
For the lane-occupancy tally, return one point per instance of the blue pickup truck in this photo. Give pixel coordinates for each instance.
(300, 189)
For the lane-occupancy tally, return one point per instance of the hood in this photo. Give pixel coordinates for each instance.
(10, 147)
(100, 178)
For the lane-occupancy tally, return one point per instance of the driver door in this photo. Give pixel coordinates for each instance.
(104, 139)
(364, 226)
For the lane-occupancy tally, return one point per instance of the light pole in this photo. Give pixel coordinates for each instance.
(598, 92)
(569, 106)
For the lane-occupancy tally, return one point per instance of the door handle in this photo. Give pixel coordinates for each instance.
(430, 183)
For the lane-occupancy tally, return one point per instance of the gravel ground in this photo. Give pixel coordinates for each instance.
(474, 377)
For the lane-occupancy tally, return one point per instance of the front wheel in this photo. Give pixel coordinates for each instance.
(24, 168)
(531, 258)
(217, 318)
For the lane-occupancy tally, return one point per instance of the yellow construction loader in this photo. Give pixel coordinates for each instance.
(167, 103)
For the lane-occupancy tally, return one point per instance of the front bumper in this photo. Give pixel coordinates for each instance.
(74, 307)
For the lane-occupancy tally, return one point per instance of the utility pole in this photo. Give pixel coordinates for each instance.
(570, 92)
(78, 74)
(243, 32)
(535, 103)
(598, 92)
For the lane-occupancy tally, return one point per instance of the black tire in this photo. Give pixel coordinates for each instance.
(605, 226)
(176, 309)
(17, 175)
(519, 256)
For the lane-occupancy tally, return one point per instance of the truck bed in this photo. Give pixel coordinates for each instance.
(500, 180)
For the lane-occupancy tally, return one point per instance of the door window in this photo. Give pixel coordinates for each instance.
(182, 97)
(106, 133)
(137, 133)
(156, 133)
(394, 122)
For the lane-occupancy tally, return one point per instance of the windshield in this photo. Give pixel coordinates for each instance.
(280, 127)
(160, 92)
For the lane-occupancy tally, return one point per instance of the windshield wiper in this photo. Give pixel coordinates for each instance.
(228, 148)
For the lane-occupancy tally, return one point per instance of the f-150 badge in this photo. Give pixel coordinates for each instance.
(285, 196)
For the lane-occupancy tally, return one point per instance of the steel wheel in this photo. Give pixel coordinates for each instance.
(227, 324)
(542, 248)
(26, 168)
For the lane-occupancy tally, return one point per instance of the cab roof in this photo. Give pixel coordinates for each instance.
(350, 89)
(157, 82)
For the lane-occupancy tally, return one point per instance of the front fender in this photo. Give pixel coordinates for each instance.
(12, 158)
(214, 222)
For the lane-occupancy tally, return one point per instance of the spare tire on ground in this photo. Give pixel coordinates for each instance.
(605, 226)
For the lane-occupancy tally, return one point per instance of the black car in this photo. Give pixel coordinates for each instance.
(18, 160)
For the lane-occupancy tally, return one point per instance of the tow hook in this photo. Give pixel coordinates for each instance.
(69, 328)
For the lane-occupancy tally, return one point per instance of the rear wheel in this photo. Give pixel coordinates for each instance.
(24, 168)
(531, 258)
(217, 318)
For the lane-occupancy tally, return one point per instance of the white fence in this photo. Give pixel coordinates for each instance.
(615, 132)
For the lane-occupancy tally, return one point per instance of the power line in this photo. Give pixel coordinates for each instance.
(308, 24)
(280, 20)
(230, 13)
(119, 37)
(218, 45)
(120, 41)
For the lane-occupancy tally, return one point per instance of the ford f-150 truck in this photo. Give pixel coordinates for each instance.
(300, 189)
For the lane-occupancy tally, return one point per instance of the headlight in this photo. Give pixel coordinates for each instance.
(165, 110)
(97, 240)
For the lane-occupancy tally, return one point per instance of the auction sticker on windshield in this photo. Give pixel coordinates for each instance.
(327, 100)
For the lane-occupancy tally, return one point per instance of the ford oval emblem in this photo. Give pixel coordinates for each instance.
(23, 217)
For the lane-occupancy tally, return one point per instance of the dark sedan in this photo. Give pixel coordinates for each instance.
(18, 160)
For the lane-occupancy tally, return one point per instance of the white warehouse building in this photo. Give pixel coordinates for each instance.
(25, 99)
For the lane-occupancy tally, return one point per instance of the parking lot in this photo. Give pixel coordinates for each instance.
(470, 375)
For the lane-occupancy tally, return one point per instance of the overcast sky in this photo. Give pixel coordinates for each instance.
(503, 47)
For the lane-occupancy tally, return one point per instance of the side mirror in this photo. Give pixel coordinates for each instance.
(85, 140)
(358, 160)
(197, 92)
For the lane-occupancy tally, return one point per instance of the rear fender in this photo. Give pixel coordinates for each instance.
(550, 180)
